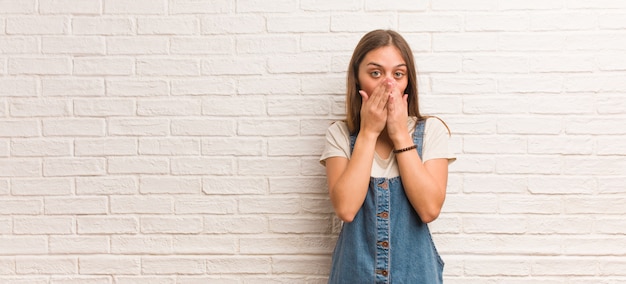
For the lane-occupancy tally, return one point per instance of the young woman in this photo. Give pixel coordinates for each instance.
(387, 170)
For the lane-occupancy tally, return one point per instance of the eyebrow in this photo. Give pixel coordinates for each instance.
(378, 65)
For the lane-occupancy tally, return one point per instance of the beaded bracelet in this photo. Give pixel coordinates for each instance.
(404, 149)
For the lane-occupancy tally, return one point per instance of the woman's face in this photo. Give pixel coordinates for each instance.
(384, 64)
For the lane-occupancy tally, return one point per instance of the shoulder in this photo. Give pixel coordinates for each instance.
(338, 129)
(435, 125)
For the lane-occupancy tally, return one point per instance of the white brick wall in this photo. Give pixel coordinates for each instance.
(177, 141)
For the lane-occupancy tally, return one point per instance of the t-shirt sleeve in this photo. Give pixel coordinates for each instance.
(436, 141)
(337, 142)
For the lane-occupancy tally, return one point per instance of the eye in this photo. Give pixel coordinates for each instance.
(399, 75)
(375, 74)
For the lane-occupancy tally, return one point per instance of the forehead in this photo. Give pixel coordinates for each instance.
(386, 56)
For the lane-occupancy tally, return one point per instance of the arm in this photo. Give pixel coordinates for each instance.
(348, 180)
(424, 183)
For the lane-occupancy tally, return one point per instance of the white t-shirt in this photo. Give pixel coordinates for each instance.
(435, 146)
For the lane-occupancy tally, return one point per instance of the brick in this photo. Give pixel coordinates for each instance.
(234, 185)
(169, 185)
(22, 7)
(611, 21)
(458, 85)
(237, 24)
(171, 225)
(495, 64)
(298, 64)
(528, 125)
(561, 185)
(19, 45)
(271, 167)
(203, 87)
(610, 61)
(202, 166)
(109, 264)
(298, 185)
(239, 224)
(232, 146)
(39, 66)
(288, 106)
(497, 22)
(502, 266)
(169, 107)
(141, 7)
(73, 45)
(23, 167)
(286, 245)
(270, 127)
(283, 6)
(592, 125)
(131, 244)
(106, 185)
(40, 147)
(78, 244)
(594, 84)
(361, 22)
(41, 186)
(104, 107)
(201, 6)
(145, 279)
(81, 127)
(132, 88)
(46, 265)
(593, 41)
(240, 264)
(173, 265)
(201, 244)
(311, 265)
(76, 205)
(295, 147)
(610, 184)
(529, 165)
(4, 187)
(268, 86)
(572, 145)
(263, 44)
(7, 266)
(611, 146)
(221, 45)
(40, 25)
(40, 108)
(91, 7)
(329, 42)
(168, 67)
(492, 244)
(269, 205)
(204, 205)
(464, 42)
(22, 206)
(168, 26)
(530, 5)
(300, 225)
(113, 26)
(553, 225)
(103, 66)
(494, 105)
(204, 127)
(81, 280)
(138, 127)
(139, 165)
(43, 225)
(239, 65)
(328, 5)
(105, 147)
(499, 144)
(133, 45)
(494, 225)
(474, 164)
(107, 225)
(522, 41)
(141, 205)
(21, 245)
(594, 166)
(298, 24)
(234, 106)
(474, 203)
(18, 88)
(73, 87)
(169, 146)
(604, 245)
(610, 226)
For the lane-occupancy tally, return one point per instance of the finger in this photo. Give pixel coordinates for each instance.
(364, 95)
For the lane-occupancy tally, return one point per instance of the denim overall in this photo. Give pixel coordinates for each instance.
(386, 242)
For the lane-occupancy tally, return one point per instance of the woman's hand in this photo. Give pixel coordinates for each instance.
(374, 108)
(397, 118)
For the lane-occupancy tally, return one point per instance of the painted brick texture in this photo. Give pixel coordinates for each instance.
(176, 141)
